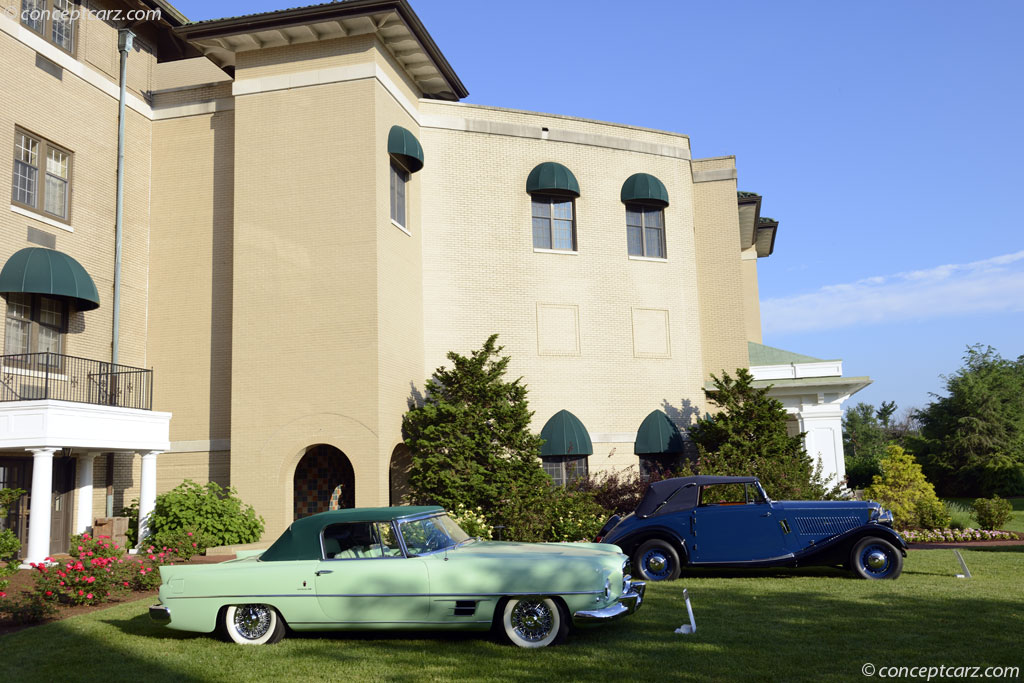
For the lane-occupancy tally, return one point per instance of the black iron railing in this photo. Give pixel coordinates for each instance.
(35, 376)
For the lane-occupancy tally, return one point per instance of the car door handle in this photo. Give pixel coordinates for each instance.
(767, 514)
(320, 572)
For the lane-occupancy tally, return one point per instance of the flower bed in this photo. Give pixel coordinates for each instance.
(956, 535)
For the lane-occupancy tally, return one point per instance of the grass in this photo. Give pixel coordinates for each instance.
(1016, 522)
(814, 624)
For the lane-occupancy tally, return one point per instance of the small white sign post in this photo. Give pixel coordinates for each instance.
(692, 626)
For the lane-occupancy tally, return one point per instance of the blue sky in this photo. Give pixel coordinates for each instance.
(886, 138)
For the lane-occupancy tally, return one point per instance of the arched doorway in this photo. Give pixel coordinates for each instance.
(321, 473)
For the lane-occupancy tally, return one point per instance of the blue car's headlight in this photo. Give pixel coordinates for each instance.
(885, 517)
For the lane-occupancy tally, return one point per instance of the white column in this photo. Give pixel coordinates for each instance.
(41, 505)
(85, 472)
(147, 492)
(824, 439)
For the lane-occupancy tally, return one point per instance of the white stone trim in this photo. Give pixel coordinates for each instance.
(566, 252)
(825, 368)
(85, 475)
(71, 65)
(714, 174)
(41, 218)
(147, 493)
(647, 258)
(201, 446)
(195, 109)
(613, 437)
(401, 227)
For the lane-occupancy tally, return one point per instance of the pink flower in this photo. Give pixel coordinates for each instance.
(81, 592)
(3, 595)
(89, 596)
(90, 579)
(125, 583)
(152, 557)
(189, 533)
(194, 545)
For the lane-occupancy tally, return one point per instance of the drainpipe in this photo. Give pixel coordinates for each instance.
(124, 44)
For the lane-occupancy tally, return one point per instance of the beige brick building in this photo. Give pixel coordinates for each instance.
(310, 220)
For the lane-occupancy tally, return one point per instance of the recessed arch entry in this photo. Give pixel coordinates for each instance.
(323, 479)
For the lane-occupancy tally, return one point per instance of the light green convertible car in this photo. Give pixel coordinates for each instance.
(399, 568)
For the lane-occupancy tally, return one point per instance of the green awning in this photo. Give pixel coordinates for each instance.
(658, 435)
(36, 270)
(644, 188)
(405, 146)
(564, 434)
(552, 177)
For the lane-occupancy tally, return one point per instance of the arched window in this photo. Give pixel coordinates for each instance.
(406, 158)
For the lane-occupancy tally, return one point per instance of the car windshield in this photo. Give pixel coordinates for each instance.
(431, 534)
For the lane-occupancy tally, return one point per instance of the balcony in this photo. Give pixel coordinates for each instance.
(54, 376)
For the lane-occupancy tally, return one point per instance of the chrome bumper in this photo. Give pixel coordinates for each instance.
(630, 600)
(159, 614)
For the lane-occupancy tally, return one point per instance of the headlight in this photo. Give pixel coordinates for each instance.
(873, 515)
(885, 517)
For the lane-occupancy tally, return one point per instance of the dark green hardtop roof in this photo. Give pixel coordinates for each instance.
(644, 188)
(301, 541)
(564, 434)
(36, 270)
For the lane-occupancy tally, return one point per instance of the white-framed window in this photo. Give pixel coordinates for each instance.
(554, 222)
(645, 231)
(565, 468)
(42, 176)
(52, 19)
(399, 182)
(34, 324)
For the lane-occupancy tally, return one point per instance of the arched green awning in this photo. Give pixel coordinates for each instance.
(405, 146)
(564, 434)
(44, 271)
(552, 177)
(658, 435)
(644, 188)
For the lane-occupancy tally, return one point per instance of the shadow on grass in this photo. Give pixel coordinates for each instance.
(996, 549)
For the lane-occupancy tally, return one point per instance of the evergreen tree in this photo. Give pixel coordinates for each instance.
(470, 440)
(972, 441)
(903, 488)
(749, 437)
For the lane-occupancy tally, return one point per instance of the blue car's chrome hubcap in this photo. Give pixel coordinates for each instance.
(656, 565)
(875, 560)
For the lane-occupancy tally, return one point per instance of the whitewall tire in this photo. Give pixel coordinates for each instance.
(253, 624)
(534, 622)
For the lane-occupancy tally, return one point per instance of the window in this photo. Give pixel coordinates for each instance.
(360, 541)
(52, 19)
(399, 180)
(660, 466)
(42, 176)
(645, 230)
(35, 324)
(565, 468)
(554, 225)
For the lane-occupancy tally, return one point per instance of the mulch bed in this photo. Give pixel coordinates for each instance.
(24, 581)
(962, 544)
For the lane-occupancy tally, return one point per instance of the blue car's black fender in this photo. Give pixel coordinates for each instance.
(836, 550)
(633, 539)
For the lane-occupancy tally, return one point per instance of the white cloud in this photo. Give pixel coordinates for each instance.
(991, 286)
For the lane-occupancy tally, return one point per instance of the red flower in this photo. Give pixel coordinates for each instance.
(49, 593)
(3, 595)
(81, 592)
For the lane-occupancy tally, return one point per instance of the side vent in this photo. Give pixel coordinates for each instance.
(825, 526)
(465, 608)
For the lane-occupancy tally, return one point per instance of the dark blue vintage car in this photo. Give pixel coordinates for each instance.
(711, 521)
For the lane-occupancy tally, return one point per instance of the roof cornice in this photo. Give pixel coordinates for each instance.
(214, 37)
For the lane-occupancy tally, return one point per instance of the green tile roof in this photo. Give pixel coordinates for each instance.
(769, 355)
(746, 195)
(765, 220)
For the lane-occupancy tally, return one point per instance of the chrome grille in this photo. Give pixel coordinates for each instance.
(825, 526)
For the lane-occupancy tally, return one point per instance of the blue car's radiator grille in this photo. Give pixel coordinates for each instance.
(825, 526)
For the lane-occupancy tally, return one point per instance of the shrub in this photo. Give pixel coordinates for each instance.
(549, 513)
(618, 492)
(955, 535)
(993, 512)
(218, 514)
(472, 521)
(25, 610)
(902, 488)
(10, 546)
(183, 543)
(572, 516)
(960, 516)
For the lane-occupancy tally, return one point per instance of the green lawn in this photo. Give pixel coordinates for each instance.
(1016, 522)
(812, 625)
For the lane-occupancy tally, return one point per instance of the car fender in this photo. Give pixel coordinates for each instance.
(633, 539)
(836, 550)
